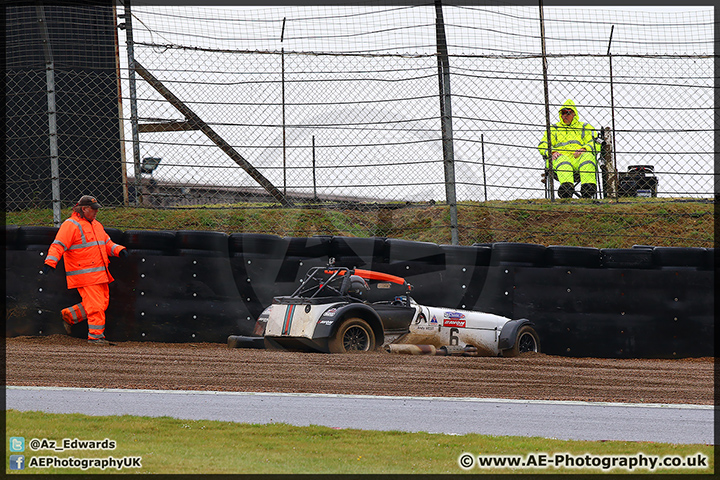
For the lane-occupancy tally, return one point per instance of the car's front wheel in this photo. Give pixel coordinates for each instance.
(527, 340)
(353, 335)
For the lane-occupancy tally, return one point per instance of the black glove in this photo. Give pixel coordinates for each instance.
(47, 269)
(123, 253)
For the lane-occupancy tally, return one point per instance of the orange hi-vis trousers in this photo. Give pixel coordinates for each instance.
(95, 300)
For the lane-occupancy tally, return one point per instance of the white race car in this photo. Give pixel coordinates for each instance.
(329, 313)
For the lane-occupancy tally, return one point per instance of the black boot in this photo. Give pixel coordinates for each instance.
(588, 190)
(566, 190)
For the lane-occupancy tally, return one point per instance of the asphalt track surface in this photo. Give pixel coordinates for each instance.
(531, 395)
(680, 424)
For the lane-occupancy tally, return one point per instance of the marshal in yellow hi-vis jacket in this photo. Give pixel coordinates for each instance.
(573, 151)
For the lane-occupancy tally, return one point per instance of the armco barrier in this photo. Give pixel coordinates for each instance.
(189, 286)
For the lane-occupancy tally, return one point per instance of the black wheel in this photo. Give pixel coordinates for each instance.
(353, 335)
(527, 340)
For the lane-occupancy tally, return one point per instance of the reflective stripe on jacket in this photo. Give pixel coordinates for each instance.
(86, 247)
(568, 138)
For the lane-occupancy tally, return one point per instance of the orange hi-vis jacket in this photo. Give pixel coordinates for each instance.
(87, 248)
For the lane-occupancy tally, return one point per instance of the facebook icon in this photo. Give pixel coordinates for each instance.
(17, 462)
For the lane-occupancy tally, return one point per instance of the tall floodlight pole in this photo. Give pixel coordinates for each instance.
(549, 177)
(446, 121)
(52, 115)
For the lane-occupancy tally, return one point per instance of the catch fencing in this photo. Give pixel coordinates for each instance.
(376, 107)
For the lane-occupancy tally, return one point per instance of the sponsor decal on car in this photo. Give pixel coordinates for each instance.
(330, 312)
(425, 327)
(454, 322)
(455, 315)
(325, 322)
(434, 320)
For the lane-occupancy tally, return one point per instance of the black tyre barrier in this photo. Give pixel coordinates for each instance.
(521, 254)
(308, 247)
(202, 240)
(359, 252)
(11, 237)
(567, 256)
(463, 255)
(257, 243)
(409, 251)
(37, 235)
(626, 257)
(116, 235)
(679, 257)
(194, 252)
(628, 307)
(149, 239)
(147, 252)
(37, 248)
(710, 259)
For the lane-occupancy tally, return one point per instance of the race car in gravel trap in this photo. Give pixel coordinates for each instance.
(330, 312)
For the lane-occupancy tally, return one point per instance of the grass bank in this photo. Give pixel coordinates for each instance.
(593, 223)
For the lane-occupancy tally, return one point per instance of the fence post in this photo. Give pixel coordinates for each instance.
(133, 102)
(615, 181)
(52, 115)
(284, 149)
(446, 121)
(549, 177)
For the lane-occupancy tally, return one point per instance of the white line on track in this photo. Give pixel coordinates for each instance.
(385, 397)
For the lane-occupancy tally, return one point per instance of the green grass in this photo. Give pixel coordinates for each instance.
(601, 224)
(172, 446)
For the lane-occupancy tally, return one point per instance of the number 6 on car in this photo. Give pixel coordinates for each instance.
(329, 313)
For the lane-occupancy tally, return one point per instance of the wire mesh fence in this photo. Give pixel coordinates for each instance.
(340, 108)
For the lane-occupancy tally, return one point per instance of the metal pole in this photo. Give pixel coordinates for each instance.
(549, 178)
(482, 149)
(52, 115)
(612, 114)
(446, 121)
(133, 102)
(121, 117)
(315, 197)
(282, 56)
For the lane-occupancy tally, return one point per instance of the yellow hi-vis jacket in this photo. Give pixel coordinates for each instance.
(568, 138)
(86, 247)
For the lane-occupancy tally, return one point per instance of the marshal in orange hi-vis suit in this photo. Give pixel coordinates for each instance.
(87, 248)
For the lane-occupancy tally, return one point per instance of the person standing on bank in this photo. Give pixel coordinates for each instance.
(573, 151)
(87, 248)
